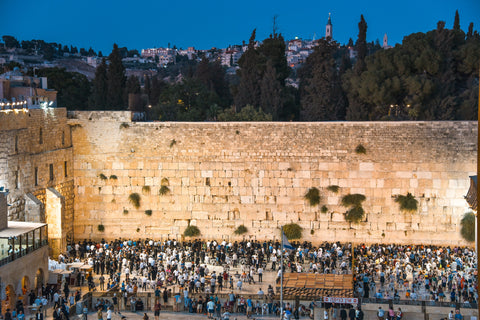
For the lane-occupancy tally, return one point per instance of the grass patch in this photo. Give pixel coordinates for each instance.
(241, 230)
(360, 149)
(407, 203)
(333, 188)
(292, 231)
(148, 212)
(313, 196)
(134, 199)
(191, 231)
(102, 176)
(101, 228)
(467, 229)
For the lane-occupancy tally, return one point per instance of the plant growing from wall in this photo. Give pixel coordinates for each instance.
(191, 231)
(407, 203)
(173, 142)
(354, 201)
(138, 229)
(324, 209)
(146, 189)
(113, 177)
(164, 190)
(333, 188)
(292, 231)
(467, 229)
(241, 230)
(360, 149)
(134, 199)
(148, 212)
(101, 228)
(312, 232)
(124, 125)
(313, 196)
(125, 211)
(102, 176)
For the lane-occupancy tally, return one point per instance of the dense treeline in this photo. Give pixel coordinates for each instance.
(430, 76)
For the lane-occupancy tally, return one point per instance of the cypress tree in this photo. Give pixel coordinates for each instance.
(456, 22)
(116, 80)
(100, 85)
(361, 46)
(250, 77)
(271, 92)
(321, 93)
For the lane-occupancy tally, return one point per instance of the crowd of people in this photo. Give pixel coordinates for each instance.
(199, 270)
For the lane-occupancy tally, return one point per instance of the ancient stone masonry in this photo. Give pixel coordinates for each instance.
(218, 176)
(36, 154)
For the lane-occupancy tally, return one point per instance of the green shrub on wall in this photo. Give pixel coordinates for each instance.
(467, 229)
(333, 188)
(164, 190)
(313, 196)
(146, 189)
(148, 212)
(191, 231)
(113, 177)
(101, 228)
(324, 209)
(360, 149)
(102, 176)
(241, 230)
(134, 199)
(292, 231)
(356, 213)
(407, 203)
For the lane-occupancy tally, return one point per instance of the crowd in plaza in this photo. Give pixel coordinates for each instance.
(198, 271)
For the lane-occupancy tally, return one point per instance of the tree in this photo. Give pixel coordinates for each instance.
(133, 84)
(456, 22)
(322, 97)
(271, 92)
(73, 88)
(116, 80)
(100, 86)
(357, 109)
(250, 76)
(10, 42)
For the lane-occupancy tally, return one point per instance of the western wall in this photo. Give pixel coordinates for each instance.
(218, 176)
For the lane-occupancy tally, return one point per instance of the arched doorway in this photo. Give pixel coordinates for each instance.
(39, 280)
(25, 285)
(10, 298)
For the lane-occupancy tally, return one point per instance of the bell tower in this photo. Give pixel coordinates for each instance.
(328, 28)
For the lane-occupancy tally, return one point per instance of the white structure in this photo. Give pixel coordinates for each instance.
(328, 28)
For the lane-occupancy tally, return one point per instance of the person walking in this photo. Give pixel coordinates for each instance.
(156, 309)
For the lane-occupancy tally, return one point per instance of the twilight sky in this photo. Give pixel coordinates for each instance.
(205, 24)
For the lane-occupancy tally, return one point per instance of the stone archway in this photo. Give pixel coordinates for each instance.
(39, 279)
(25, 285)
(10, 298)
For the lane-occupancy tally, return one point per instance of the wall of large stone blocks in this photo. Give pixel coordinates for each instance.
(30, 142)
(222, 175)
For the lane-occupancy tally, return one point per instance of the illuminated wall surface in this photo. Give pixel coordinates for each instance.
(218, 176)
(78, 173)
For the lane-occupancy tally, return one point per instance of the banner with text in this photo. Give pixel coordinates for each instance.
(340, 300)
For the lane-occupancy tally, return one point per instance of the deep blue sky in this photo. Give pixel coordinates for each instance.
(206, 24)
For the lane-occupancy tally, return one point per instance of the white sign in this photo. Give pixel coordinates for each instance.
(340, 300)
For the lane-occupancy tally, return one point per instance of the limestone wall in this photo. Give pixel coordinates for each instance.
(222, 175)
(36, 154)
